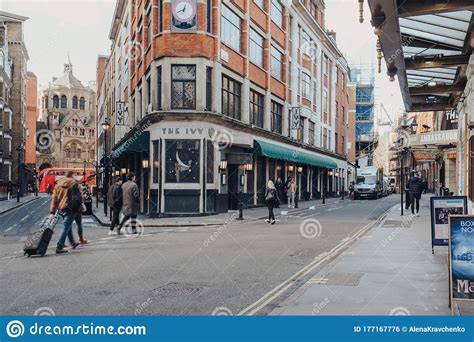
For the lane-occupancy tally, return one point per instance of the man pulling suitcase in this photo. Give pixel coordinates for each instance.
(67, 199)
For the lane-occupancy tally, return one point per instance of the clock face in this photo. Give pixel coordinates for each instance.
(184, 10)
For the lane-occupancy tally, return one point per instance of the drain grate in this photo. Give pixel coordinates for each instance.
(339, 278)
(177, 289)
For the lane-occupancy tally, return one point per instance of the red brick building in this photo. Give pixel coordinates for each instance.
(225, 95)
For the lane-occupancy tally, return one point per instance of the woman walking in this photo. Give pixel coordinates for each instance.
(270, 199)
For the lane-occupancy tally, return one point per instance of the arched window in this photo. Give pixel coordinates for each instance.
(82, 103)
(74, 102)
(55, 101)
(73, 150)
(63, 101)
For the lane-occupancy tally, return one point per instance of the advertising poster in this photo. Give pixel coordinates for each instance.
(461, 257)
(441, 209)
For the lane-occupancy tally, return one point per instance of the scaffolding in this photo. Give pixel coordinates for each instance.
(366, 139)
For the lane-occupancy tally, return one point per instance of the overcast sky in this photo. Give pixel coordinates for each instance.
(80, 28)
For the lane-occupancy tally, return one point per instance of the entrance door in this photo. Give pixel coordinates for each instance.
(233, 186)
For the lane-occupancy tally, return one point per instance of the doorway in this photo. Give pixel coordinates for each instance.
(233, 186)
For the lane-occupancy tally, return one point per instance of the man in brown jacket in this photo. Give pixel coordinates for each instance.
(131, 202)
(67, 199)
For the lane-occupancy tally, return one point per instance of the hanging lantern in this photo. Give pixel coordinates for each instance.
(379, 56)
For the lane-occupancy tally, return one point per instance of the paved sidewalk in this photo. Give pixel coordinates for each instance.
(211, 220)
(6, 206)
(388, 271)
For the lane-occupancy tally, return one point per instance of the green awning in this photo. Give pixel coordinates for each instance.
(136, 142)
(292, 155)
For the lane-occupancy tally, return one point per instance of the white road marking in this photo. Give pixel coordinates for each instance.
(25, 218)
(335, 208)
(10, 228)
(278, 290)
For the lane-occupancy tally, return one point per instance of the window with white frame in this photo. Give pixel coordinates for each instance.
(311, 128)
(256, 48)
(231, 32)
(276, 63)
(325, 101)
(277, 12)
(306, 85)
(325, 65)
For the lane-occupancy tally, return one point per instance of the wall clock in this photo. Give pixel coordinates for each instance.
(183, 14)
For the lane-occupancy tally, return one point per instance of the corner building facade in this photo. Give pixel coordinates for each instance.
(225, 95)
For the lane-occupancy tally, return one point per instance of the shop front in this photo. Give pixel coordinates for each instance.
(187, 168)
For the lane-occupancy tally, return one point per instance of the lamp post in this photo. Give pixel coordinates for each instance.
(20, 166)
(105, 126)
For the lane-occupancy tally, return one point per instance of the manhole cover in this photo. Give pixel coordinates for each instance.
(177, 289)
(343, 279)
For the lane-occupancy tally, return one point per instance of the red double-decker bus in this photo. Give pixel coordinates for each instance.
(51, 175)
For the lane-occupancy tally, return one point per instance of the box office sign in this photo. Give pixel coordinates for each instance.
(441, 209)
(461, 257)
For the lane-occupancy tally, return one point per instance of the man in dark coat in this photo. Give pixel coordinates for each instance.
(116, 203)
(131, 202)
(416, 187)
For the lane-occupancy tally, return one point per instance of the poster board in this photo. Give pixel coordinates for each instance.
(461, 258)
(441, 208)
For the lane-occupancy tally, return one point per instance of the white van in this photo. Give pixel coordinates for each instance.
(369, 182)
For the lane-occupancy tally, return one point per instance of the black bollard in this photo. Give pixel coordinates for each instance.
(241, 207)
(342, 196)
(324, 198)
(296, 200)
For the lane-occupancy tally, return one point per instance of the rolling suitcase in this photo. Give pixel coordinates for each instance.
(37, 242)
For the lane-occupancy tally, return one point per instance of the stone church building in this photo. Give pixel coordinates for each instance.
(67, 130)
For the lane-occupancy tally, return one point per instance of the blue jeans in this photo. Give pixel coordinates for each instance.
(69, 218)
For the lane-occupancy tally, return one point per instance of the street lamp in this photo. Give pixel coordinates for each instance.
(105, 126)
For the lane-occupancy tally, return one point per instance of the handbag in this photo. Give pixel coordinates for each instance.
(269, 196)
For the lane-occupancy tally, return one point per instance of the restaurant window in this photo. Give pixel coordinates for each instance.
(160, 15)
(208, 88)
(256, 109)
(158, 87)
(231, 31)
(260, 3)
(149, 27)
(182, 161)
(183, 86)
(325, 101)
(230, 97)
(325, 138)
(156, 160)
(210, 162)
(209, 16)
(277, 110)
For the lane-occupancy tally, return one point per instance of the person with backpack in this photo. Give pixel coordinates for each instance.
(67, 199)
(131, 202)
(116, 203)
(416, 187)
(271, 198)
